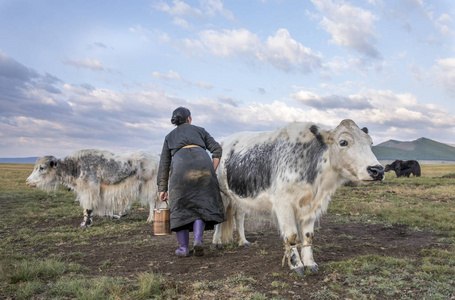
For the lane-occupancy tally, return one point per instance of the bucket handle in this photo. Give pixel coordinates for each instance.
(167, 204)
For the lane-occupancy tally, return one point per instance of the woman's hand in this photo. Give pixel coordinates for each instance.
(164, 196)
(216, 162)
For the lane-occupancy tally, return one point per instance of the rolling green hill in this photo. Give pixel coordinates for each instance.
(420, 149)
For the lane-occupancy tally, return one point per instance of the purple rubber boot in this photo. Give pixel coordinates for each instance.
(198, 230)
(183, 237)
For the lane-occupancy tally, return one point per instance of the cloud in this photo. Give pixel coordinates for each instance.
(333, 101)
(41, 121)
(228, 100)
(444, 72)
(204, 85)
(181, 22)
(214, 7)
(11, 69)
(34, 121)
(382, 110)
(170, 76)
(339, 66)
(442, 24)
(280, 50)
(181, 11)
(23, 90)
(351, 27)
(228, 43)
(86, 63)
(97, 45)
(179, 8)
(285, 53)
(132, 120)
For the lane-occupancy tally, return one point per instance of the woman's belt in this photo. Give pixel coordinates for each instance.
(191, 146)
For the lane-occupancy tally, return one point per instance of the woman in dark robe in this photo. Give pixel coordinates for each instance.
(187, 177)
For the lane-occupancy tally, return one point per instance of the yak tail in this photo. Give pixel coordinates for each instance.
(227, 227)
(418, 171)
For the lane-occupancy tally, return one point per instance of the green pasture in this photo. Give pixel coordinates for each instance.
(425, 203)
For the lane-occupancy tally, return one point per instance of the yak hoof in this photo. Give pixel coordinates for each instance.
(314, 269)
(300, 271)
(117, 216)
(247, 245)
(216, 246)
(86, 224)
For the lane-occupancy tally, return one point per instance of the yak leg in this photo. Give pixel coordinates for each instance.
(150, 217)
(87, 222)
(240, 228)
(216, 241)
(224, 232)
(239, 218)
(307, 231)
(286, 221)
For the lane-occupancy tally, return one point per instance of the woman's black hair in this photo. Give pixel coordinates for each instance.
(180, 115)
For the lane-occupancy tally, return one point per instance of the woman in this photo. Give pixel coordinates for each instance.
(193, 186)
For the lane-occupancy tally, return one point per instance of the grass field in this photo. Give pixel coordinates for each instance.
(41, 257)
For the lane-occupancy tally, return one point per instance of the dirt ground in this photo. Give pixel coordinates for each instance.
(262, 262)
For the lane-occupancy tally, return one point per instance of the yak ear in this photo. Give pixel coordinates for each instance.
(53, 163)
(364, 129)
(314, 129)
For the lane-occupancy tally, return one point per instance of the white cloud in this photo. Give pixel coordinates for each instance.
(280, 50)
(179, 8)
(170, 76)
(444, 72)
(355, 102)
(351, 27)
(228, 100)
(180, 22)
(88, 63)
(285, 53)
(205, 85)
(228, 43)
(382, 109)
(445, 18)
(442, 24)
(213, 7)
(119, 121)
(340, 65)
(441, 74)
(37, 121)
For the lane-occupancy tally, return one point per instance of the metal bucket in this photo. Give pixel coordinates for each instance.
(162, 220)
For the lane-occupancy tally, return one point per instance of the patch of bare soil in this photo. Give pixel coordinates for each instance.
(262, 262)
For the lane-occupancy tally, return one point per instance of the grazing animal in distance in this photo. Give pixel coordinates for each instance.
(404, 168)
(292, 173)
(106, 184)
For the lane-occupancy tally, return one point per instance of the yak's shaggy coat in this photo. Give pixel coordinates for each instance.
(291, 172)
(106, 184)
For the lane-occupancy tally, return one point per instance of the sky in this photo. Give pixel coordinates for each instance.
(108, 74)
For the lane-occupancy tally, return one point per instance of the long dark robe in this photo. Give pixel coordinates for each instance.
(193, 186)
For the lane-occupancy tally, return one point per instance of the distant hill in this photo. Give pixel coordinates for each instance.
(420, 149)
(19, 160)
